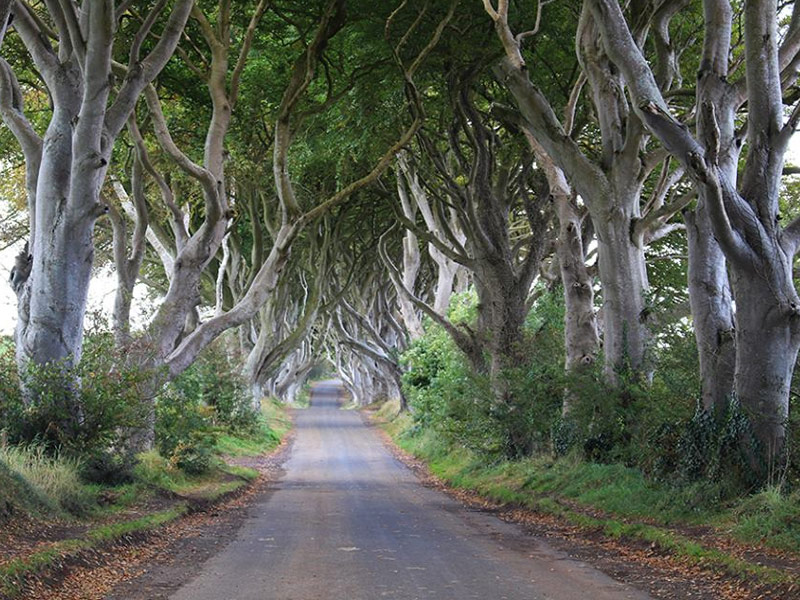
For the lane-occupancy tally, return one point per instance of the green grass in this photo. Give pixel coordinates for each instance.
(45, 487)
(251, 445)
(769, 517)
(41, 485)
(18, 496)
(245, 473)
(154, 472)
(273, 425)
(631, 505)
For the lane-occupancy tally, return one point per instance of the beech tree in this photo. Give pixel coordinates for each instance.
(610, 183)
(743, 212)
(175, 336)
(72, 47)
(489, 187)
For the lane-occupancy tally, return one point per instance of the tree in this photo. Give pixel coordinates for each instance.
(610, 181)
(67, 166)
(743, 213)
(479, 174)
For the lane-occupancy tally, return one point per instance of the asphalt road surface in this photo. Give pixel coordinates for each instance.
(349, 522)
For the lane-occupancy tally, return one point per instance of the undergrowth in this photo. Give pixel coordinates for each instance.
(42, 485)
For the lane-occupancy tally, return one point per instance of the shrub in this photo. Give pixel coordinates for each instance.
(446, 395)
(194, 456)
(107, 466)
(90, 422)
(214, 380)
(178, 417)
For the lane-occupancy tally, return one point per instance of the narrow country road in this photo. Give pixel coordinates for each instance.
(349, 522)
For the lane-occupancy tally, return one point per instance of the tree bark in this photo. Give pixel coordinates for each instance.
(712, 313)
(767, 344)
(624, 284)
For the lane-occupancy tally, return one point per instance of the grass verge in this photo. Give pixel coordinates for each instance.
(271, 428)
(49, 489)
(614, 500)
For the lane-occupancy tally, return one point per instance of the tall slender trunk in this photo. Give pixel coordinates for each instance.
(445, 280)
(712, 312)
(624, 284)
(411, 264)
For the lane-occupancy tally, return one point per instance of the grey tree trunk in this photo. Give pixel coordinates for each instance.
(767, 344)
(610, 185)
(712, 313)
(624, 283)
(581, 339)
(580, 324)
(411, 263)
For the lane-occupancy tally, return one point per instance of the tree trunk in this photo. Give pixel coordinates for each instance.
(624, 283)
(502, 308)
(411, 263)
(581, 338)
(445, 280)
(767, 344)
(712, 313)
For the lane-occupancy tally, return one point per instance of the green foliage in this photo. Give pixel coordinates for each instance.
(719, 450)
(178, 418)
(634, 422)
(463, 406)
(194, 456)
(652, 426)
(214, 381)
(107, 466)
(770, 514)
(208, 400)
(91, 422)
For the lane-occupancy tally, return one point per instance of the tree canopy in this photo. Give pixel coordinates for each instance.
(360, 184)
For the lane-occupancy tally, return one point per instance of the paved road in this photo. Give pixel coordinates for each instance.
(349, 522)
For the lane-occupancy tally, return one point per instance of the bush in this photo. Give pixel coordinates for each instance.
(108, 467)
(91, 422)
(214, 380)
(194, 456)
(178, 418)
(209, 398)
(462, 406)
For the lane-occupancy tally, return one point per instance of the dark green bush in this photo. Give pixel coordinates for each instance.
(208, 398)
(107, 466)
(90, 421)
